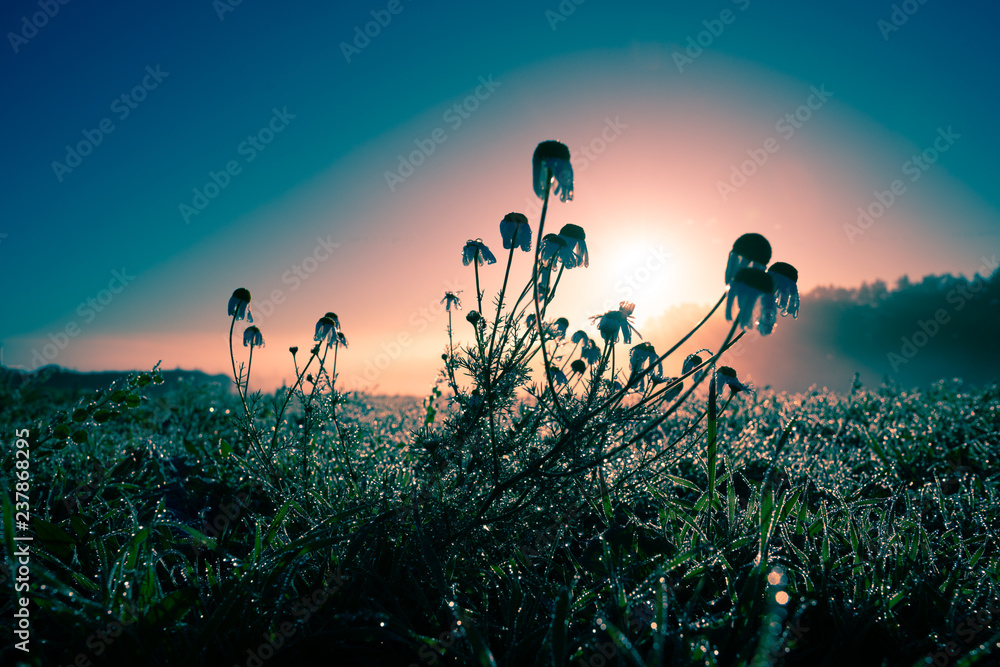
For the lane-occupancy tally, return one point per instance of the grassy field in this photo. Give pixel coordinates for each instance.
(836, 529)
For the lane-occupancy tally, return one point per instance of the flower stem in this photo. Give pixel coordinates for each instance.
(538, 310)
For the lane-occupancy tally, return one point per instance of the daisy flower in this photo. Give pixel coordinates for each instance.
(252, 337)
(749, 251)
(576, 242)
(726, 376)
(342, 339)
(786, 288)
(326, 329)
(643, 355)
(451, 299)
(476, 251)
(750, 285)
(555, 247)
(239, 304)
(551, 160)
(516, 231)
(613, 321)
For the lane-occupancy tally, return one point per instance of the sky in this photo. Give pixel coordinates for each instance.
(337, 157)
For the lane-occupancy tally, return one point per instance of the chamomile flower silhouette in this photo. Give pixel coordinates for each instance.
(615, 321)
(749, 286)
(726, 377)
(239, 305)
(342, 339)
(749, 251)
(326, 329)
(252, 337)
(451, 299)
(642, 356)
(551, 160)
(591, 353)
(786, 288)
(560, 326)
(576, 242)
(516, 232)
(555, 247)
(476, 251)
(578, 366)
(558, 377)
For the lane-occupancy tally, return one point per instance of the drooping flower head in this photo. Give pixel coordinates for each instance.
(451, 299)
(555, 247)
(750, 286)
(342, 339)
(558, 377)
(692, 361)
(591, 352)
(643, 355)
(561, 325)
(474, 318)
(516, 231)
(726, 376)
(613, 321)
(252, 337)
(326, 329)
(551, 160)
(476, 251)
(749, 251)
(578, 366)
(239, 304)
(576, 241)
(786, 288)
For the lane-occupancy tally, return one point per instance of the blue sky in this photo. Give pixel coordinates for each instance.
(319, 187)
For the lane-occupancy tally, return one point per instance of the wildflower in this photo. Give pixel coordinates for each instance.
(516, 231)
(326, 329)
(693, 361)
(449, 299)
(252, 337)
(576, 241)
(557, 376)
(578, 366)
(726, 376)
(786, 289)
(643, 355)
(560, 327)
(748, 286)
(476, 251)
(614, 321)
(342, 339)
(750, 251)
(591, 353)
(239, 304)
(581, 337)
(474, 317)
(555, 247)
(529, 321)
(551, 160)
(293, 349)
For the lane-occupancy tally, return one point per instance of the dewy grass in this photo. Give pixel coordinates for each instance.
(619, 514)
